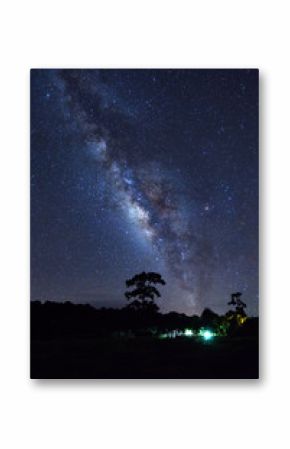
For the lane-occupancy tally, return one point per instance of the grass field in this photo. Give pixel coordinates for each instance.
(145, 358)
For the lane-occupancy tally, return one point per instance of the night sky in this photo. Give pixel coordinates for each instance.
(145, 170)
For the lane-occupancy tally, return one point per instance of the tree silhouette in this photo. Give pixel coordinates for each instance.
(144, 291)
(239, 315)
(209, 318)
(236, 301)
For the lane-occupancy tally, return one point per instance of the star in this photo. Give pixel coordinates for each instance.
(137, 170)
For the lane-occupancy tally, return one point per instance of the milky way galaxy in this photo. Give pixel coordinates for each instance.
(145, 170)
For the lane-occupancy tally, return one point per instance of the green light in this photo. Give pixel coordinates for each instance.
(206, 334)
(188, 333)
(162, 336)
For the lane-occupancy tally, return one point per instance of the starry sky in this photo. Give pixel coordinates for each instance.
(145, 170)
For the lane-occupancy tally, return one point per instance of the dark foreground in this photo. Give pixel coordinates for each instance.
(144, 358)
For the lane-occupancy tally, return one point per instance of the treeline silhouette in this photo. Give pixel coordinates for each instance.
(55, 320)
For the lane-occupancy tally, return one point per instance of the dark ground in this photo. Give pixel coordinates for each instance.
(144, 358)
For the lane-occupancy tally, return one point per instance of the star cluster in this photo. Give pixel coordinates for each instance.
(153, 170)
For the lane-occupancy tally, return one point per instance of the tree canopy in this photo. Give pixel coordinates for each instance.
(144, 290)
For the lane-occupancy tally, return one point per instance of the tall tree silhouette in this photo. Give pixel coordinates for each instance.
(236, 301)
(144, 291)
(239, 315)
